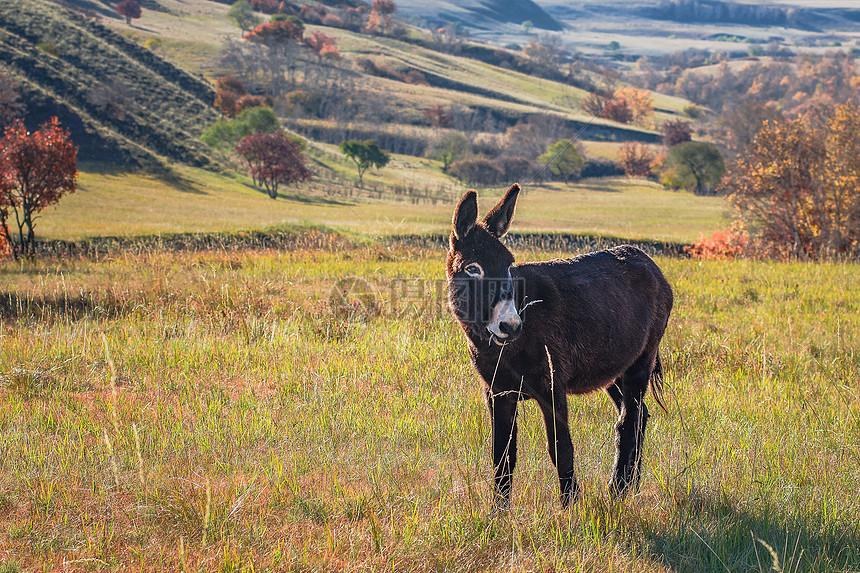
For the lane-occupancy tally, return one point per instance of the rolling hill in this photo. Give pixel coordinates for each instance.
(123, 104)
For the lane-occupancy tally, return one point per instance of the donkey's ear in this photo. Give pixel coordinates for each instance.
(466, 215)
(499, 219)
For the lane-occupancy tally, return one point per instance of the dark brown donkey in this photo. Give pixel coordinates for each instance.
(565, 326)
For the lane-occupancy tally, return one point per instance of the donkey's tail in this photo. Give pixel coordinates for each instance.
(657, 382)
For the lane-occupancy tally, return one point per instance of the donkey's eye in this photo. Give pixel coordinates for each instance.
(474, 270)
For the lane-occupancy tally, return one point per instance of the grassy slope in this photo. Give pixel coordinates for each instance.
(193, 31)
(201, 201)
(158, 109)
(327, 442)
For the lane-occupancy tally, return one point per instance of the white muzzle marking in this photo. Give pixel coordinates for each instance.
(504, 311)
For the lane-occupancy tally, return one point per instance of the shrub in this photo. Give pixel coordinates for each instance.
(300, 102)
(675, 132)
(598, 167)
(515, 168)
(333, 21)
(721, 245)
(477, 171)
(636, 159)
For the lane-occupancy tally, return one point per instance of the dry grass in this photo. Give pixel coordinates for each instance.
(254, 425)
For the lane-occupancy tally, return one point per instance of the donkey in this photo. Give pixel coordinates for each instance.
(547, 329)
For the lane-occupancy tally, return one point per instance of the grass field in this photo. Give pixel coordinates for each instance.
(196, 200)
(216, 412)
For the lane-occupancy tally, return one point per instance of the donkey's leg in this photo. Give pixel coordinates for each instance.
(503, 413)
(558, 441)
(630, 428)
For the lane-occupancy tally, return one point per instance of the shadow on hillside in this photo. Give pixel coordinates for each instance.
(180, 183)
(599, 187)
(714, 535)
(107, 169)
(312, 200)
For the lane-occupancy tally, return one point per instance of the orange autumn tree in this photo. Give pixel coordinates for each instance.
(36, 170)
(797, 187)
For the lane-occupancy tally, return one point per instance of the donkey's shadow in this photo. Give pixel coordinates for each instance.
(712, 533)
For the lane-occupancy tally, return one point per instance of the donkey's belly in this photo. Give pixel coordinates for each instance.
(580, 386)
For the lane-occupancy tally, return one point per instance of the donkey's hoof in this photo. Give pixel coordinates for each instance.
(570, 497)
(618, 489)
(501, 503)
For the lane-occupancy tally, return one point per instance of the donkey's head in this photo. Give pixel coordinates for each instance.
(480, 287)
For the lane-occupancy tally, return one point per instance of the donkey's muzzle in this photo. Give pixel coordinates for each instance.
(511, 330)
(505, 324)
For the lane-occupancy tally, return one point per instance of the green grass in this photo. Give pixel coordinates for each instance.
(239, 421)
(197, 200)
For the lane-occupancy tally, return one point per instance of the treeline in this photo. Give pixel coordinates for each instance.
(792, 82)
(720, 11)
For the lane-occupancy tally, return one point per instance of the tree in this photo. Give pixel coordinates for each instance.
(274, 159)
(636, 159)
(225, 133)
(449, 148)
(243, 16)
(640, 102)
(36, 170)
(438, 116)
(676, 131)
(742, 121)
(380, 15)
(364, 154)
(384, 7)
(696, 166)
(318, 42)
(563, 159)
(128, 9)
(277, 32)
(797, 187)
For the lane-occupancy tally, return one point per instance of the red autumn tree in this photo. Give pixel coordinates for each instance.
(36, 170)
(676, 132)
(274, 159)
(318, 41)
(128, 9)
(636, 159)
(277, 32)
(384, 7)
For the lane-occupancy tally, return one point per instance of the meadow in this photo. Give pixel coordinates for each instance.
(110, 203)
(222, 411)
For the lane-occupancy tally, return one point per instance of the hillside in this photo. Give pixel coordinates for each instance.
(131, 106)
(123, 104)
(483, 14)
